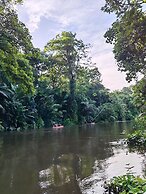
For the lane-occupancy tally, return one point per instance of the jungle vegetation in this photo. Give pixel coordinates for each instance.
(60, 83)
(128, 36)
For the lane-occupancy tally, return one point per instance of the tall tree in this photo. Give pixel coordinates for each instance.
(69, 52)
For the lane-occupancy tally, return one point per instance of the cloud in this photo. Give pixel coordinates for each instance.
(64, 12)
(46, 18)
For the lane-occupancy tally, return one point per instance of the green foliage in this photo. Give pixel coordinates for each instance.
(14, 37)
(48, 105)
(120, 7)
(15, 112)
(106, 112)
(40, 123)
(128, 36)
(12, 30)
(86, 109)
(98, 93)
(117, 106)
(16, 72)
(140, 95)
(140, 122)
(126, 184)
(68, 122)
(124, 104)
(137, 139)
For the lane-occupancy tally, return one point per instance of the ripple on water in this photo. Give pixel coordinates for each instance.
(120, 163)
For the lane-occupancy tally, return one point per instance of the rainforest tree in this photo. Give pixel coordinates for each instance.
(69, 53)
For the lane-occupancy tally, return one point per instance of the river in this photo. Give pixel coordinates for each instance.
(73, 160)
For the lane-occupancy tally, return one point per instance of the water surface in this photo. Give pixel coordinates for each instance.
(72, 160)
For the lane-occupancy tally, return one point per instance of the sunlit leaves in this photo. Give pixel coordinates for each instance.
(14, 40)
(128, 36)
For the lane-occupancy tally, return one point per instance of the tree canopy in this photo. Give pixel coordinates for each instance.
(15, 42)
(127, 34)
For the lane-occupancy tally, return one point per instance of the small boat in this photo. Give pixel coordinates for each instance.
(57, 126)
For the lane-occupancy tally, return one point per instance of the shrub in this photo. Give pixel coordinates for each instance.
(126, 184)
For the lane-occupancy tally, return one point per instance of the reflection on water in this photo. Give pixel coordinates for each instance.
(74, 160)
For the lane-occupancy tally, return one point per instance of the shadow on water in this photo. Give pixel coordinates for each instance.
(72, 160)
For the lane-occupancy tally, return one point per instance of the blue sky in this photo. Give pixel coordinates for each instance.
(46, 18)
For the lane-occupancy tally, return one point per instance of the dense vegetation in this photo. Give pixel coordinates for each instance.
(137, 139)
(59, 84)
(128, 37)
(127, 34)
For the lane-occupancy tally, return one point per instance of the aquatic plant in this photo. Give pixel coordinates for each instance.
(126, 184)
(137, 139)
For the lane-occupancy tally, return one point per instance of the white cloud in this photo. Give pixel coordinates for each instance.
(64, 12)
(46, 18)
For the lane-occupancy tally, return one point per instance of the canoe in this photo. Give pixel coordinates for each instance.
(58, 127)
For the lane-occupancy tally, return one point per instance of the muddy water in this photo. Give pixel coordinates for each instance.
(72, 160)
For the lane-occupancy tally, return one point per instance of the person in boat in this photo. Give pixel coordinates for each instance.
(57, 125)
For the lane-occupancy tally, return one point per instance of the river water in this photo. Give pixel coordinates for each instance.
(73, 160)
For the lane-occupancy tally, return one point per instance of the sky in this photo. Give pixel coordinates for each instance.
(47, 18)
